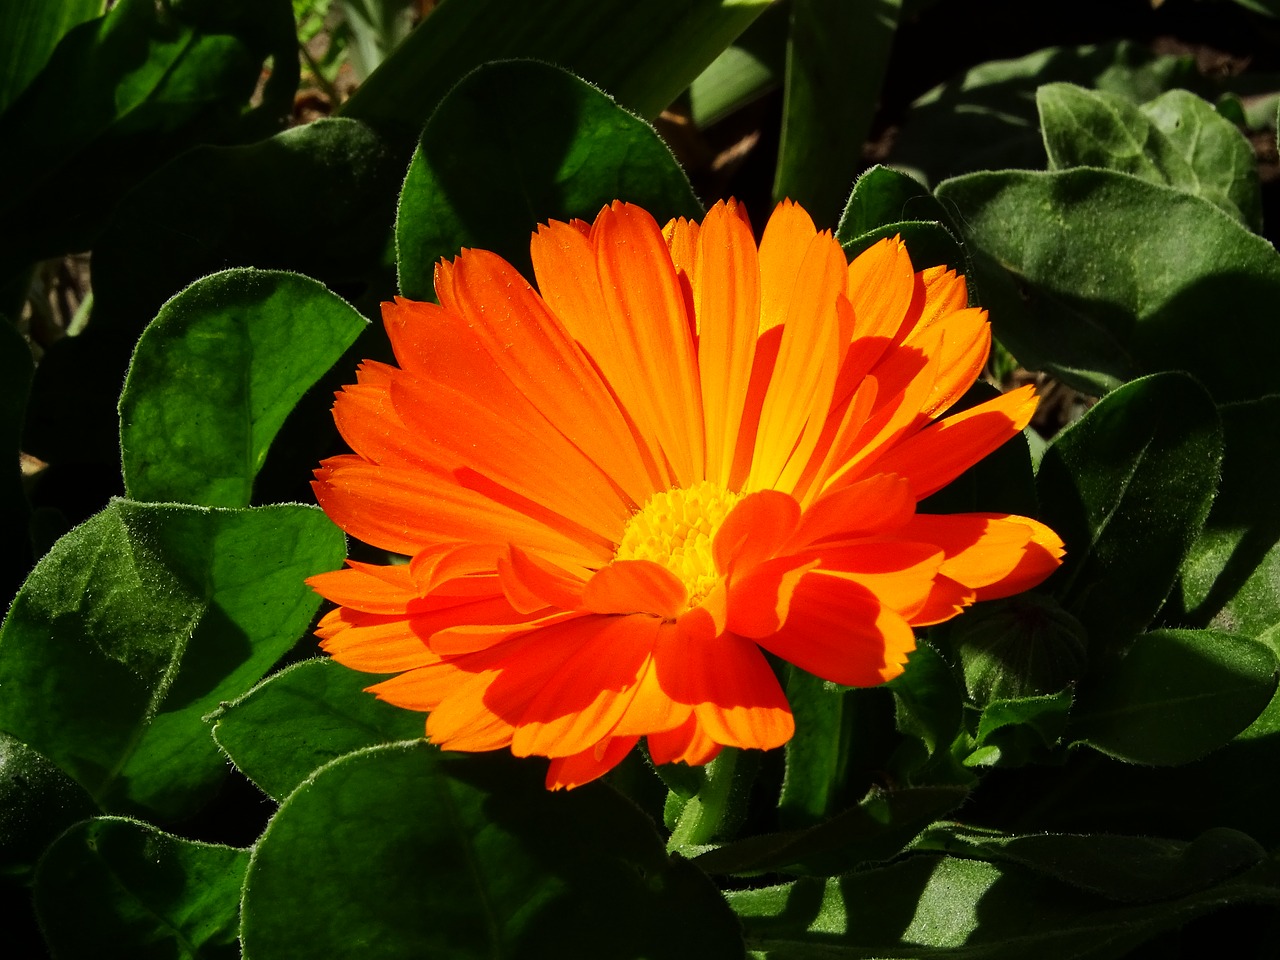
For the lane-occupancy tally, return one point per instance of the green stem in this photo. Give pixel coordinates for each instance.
(706, 811)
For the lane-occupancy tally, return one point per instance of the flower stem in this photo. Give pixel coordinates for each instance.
(707, 810)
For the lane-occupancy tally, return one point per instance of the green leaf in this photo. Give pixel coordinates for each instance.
(316, 711)
(882, 196)
(271, 205)
(836, 57)
(748, 68)
(1124, 869)
(138, 623)
(876, 829)
(37, 802)
(1099, 277)
(644, 55)
(932, 906)
(1015, 731)
(429, 854)
(215, 375)
(1230, 578)
(1175, 696)
(929, 710)
(117, 888)
(987, 116)
(513, 145)
(122, 94)
(1128, 487)
(1176, 140)
(29, 31)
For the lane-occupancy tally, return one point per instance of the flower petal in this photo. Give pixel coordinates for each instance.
(686, 743)
(635, 586)
(758, 525)
(565, 773)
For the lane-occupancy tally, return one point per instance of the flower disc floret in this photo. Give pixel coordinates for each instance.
(675, 528)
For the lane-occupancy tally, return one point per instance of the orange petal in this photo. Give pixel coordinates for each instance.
(726, 291)
(880, 284)
(373, 646)
(531, 583)
(993, 554)
(759, 601)
(757, 526)
(869, 507)
(686, 743)
(942, 451)
(581, 703)
(963, 341)
(728, 682)
(839, 631)
(357, 588)
(786, 238)
(565, 773)
(635, 586)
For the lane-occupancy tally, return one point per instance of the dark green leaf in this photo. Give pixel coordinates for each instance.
(1124, 869)
(1176, 140)
(1015, 731)
(928, 242)
(987, 116)
(1128, 488)
(876, 829)
(315, 711)
(215, 375)
(942, 907)
(115, 888)
(881, 197)
(1231, 575)
(642, 54)
(428, 854)
(513, 145)
(1018, 647)
(29, 31)
(37, 802)
(836, 58)
(750, 67)
(138, 623)
(1175, 696)
(121, 95)
(929, 709)
(1099, 277)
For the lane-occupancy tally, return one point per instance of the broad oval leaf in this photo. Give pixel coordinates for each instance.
(514, 144)
(140, 622)
(427, 855)
(37, 802)
(115, 888)
(1128, 488)
(315, 712)
(214, 376)
(1099, 277)
(1175, 696)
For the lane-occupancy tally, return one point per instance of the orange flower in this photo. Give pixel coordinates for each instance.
(681, 451)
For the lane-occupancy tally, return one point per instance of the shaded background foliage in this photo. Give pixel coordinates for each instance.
(1089, 770)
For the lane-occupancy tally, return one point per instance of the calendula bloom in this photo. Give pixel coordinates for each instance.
(618, 490)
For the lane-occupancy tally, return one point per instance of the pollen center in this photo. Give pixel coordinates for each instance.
(675, 528)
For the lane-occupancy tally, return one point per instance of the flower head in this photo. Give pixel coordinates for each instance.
(618, 490)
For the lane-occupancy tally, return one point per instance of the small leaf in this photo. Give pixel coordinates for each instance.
(1175, 696)
(1128, 488)
(428, 854)
(313, 712)
(117, 888)
(517, 143)
(883, 196)
(1012, 732)
(1099, 277)
(138, 623)
(215, 375)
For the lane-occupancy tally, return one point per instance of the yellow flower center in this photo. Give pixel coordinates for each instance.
(675, 529)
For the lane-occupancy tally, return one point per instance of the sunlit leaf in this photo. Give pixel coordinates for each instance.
(215, 375)
(1099, 277)
(29, 30)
